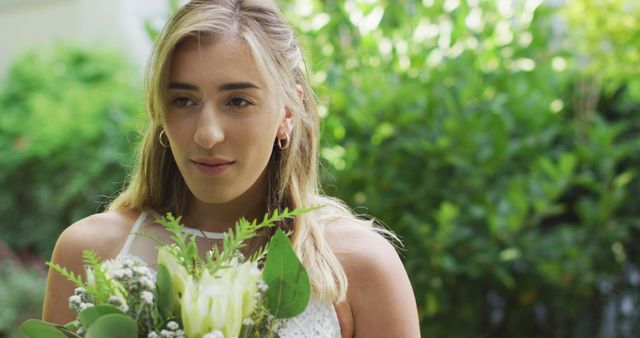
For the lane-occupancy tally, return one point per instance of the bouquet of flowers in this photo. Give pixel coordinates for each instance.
(222, 295)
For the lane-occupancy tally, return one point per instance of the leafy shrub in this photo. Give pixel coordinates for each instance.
(22, 292)
(473, 130)
(65, 133)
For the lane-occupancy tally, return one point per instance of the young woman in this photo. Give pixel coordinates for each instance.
(233, 133)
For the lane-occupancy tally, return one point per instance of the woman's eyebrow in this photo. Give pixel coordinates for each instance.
(237, 85)
(182, 85)
(223, 87)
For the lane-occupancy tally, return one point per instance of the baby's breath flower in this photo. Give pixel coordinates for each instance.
(214, 334)
(127, 273)
(128, 262)
(247, 322)
(262, 286)
(75, 300)
(172, 326)
(141, 270)
(79, 291)
(146, 297)
(115, 300)
(152, 334)
(146, 283)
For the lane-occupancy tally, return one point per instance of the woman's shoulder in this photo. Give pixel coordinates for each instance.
(379, 295)
(103, 233)
(359, 245)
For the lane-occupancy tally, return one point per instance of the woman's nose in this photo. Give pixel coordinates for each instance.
(209, 131)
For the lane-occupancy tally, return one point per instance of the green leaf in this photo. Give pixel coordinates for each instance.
(113, 325)
(164, 292)
(69, 275)
(90, 315)
(288, 281)
(35, 328)
(71, 326)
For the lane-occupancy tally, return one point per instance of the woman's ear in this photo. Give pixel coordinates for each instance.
(286, 125)
(287, 122)
(300, 92)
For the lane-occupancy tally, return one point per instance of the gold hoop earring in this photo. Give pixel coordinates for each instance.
(286, 143)
(164, 145)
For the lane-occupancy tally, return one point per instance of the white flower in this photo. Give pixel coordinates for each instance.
(118, 274)
(146, 297)
(127, 273)
(146, 283)
(116, 300)
(91, 279)
(220, 302)
(178, 274)
(75, 299)
(111, 266)
(152, 334)
(128, 262)
(262, 286)
(245, 277)
(172, 325)
(141, 270)
(214, 334)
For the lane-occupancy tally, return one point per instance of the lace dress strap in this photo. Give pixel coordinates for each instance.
(132, 235)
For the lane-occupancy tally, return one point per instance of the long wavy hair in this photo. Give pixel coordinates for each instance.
(156, 183)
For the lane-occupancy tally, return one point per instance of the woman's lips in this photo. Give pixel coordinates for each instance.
(212, 169)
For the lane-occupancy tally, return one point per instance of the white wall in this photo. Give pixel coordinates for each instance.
(30, 24)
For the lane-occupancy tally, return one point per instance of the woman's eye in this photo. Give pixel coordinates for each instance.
(238, 102)
(183, 101)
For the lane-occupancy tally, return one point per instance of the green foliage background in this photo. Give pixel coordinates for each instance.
(500, 141)
(66, 131)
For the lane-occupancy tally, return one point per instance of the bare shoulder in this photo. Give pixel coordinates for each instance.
(379, 294)
(102, 233)
(358, 245)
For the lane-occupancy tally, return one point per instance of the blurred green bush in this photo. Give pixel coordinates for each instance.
(66, 133)
(22, 293)
(502, 148)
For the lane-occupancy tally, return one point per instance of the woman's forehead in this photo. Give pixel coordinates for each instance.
(214, 60)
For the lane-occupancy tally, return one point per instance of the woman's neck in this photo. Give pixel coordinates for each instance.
(220, 217)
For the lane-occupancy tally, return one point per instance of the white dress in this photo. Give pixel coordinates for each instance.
(318, 320)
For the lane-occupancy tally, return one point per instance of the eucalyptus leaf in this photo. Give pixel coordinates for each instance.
(164, 292)
(288, 281)
(35, 328)
(113, 325)
(90, 315)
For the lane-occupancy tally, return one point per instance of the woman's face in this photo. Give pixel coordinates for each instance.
(221, 120)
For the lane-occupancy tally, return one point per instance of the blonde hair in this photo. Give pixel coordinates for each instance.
(157, 184)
